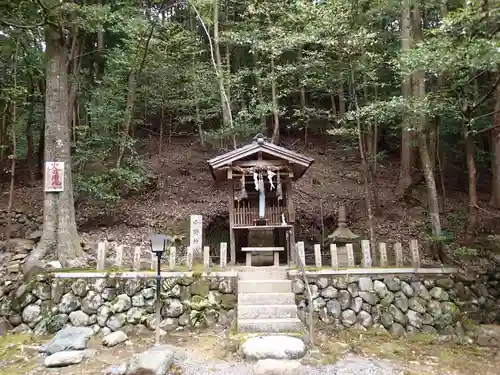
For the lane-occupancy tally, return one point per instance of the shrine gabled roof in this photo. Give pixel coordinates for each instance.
(260, 145)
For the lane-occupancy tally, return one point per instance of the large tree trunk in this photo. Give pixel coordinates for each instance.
(256, 64)
(29, 132)
(340, 93)
(407, 136)
(274, 102)
(470, 150)
(495, 148)
(59, 225)
(423, 147)
(224, 99)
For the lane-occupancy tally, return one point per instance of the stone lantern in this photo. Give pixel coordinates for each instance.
(342, 236)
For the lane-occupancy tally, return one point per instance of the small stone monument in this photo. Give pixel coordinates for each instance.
(342, 236)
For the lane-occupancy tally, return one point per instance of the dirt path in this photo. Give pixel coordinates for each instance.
(212, 352)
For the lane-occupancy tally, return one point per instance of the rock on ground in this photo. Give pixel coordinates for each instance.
(273, 347)
(70, 338)
(116, 370)
(157, 359)
(66, 358)
(114, 338)
(278, 367)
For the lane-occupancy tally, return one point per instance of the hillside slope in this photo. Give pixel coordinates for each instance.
(333, 179)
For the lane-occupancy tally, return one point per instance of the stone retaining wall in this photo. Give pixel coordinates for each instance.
(108, 304)
(400, 304)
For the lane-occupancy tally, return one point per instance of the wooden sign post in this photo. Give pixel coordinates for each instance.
(196, 234)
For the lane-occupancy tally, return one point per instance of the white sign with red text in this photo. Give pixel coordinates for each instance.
(54, 176)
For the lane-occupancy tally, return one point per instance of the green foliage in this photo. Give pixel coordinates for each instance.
(112, 184)
(314, 47)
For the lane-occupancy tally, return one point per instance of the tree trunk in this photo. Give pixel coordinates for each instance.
(423, 148)
(224, 100)
(14, 146)
(341, 95)
(495, 158)
(41, 139)
(76, 49)
(365, 170)
(59, 225)
(263, 125)
(470, 150)
(407, 136)
(274, 99)
(29, 132)
(3, 131)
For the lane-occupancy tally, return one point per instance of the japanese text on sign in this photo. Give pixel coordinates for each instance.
(54, 176)
(196, 233)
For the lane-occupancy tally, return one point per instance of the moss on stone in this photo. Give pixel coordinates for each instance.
(14, 361)
(228, 301)
(200, 287)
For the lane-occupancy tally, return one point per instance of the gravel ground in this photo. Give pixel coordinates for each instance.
(350, 365)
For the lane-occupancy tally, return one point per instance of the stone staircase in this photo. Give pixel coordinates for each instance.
(266, 302)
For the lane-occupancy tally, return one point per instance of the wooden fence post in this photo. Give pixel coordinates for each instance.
(153, 261)
(119, 256)
(189, 258)
(223, 254)
(206, 257)
(334, 258)
(383, 254)
(350, 255)
(398, 250)
(367, 255)
(137, 258)
(415, 253)
(171, 258)
(101, 255)
(302, 252)
(317, 255)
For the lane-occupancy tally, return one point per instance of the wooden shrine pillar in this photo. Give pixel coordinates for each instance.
(291, 219)
(232, 244)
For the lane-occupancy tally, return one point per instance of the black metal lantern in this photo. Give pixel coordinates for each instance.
(158, 243)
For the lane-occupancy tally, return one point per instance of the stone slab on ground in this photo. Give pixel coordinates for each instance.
(273, 347)
(278, 367)
(70, 338)
(157, 360)
(116, 370)
(114, 338)
(65, 358)
(489, 335)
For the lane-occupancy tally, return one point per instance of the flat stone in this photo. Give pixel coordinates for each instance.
(114, 338)
(69, 339)
(66, 358)
(278, 367)
(156, 360)
(273, 347)
(116, 370)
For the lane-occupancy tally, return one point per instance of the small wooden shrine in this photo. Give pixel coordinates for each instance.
(259, 177)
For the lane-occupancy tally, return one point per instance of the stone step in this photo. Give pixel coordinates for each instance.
(271, 274)
(270, 325)
(264, 286)
(267, 311)
(266, 299)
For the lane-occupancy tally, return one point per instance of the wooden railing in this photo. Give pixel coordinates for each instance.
(348, 256)
(246, 216)
(171, 256)
(336, 257)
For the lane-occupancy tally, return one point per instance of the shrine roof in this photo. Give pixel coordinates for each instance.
(299, 162)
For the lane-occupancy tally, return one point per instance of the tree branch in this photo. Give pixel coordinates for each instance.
(486, 130)
(25, 27)
(486, 96)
